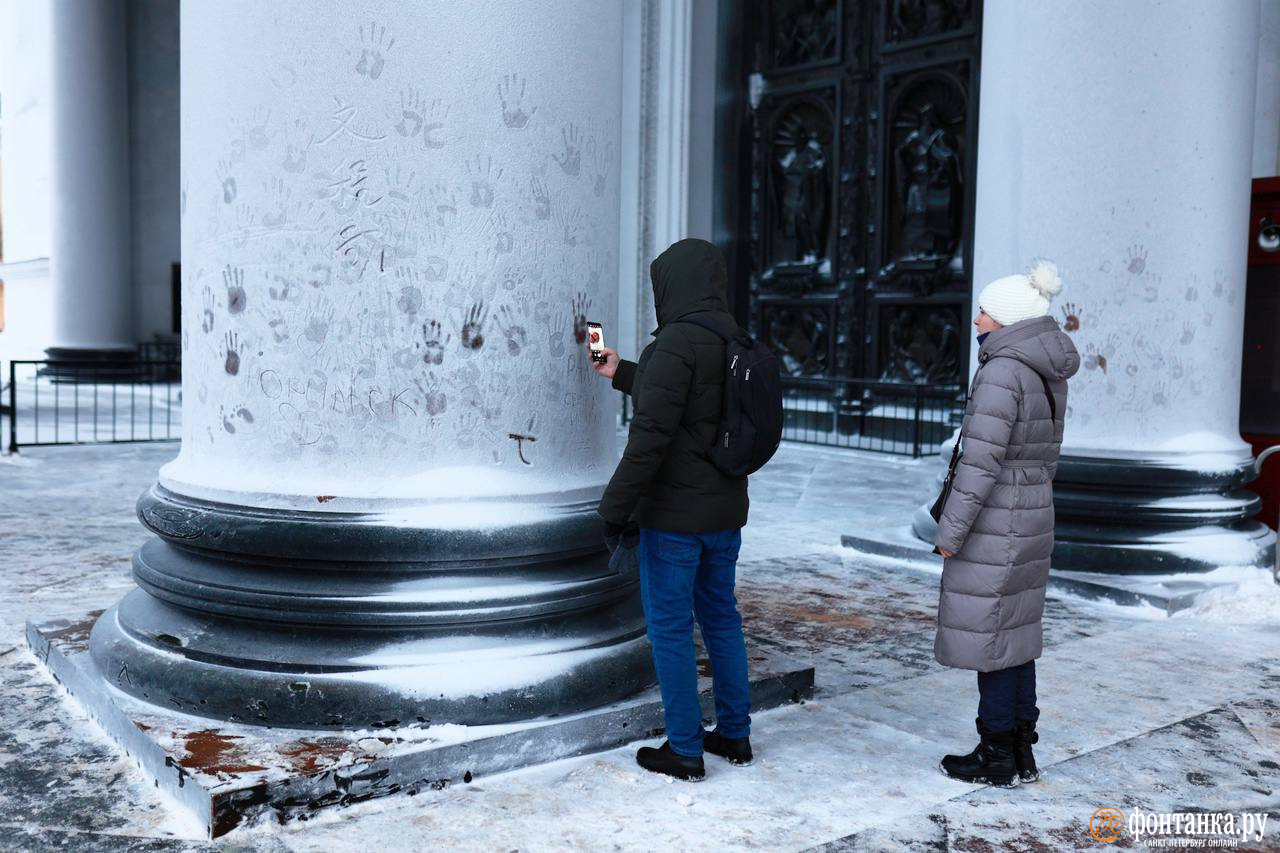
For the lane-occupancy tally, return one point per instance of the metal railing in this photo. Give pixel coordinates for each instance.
(865, 414)
(58, 402)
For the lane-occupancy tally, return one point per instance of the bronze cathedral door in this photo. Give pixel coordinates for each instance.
(850, 188)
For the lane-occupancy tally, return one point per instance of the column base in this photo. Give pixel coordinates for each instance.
(1133, 516)
(227, 774)
(351, 620)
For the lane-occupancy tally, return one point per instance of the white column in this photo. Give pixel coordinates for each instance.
(394, 228)
(89, 214)
(1116, 140)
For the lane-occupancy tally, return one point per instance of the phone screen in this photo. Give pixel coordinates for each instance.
(595, 338)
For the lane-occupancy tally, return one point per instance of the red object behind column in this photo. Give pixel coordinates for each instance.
(1260, 371)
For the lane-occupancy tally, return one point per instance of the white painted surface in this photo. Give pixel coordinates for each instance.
(24, 179)
(89, 208)
(1266, 128)
(361, 193)
(24, 128)
(1116, 140)
(625, 338)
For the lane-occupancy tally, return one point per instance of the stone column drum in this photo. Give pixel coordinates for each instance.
(395, 227)
(1116, 140)
(89, 210)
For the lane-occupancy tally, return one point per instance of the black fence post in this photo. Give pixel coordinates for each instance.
(919, 410)
(13, 408)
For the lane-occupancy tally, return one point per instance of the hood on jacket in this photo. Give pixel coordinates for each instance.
(689, 276)
(1037, 343)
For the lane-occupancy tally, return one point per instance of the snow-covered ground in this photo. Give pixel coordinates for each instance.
(1140, 711)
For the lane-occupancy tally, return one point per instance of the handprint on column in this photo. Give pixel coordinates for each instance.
(570, 159)
(434, 400)
(206, 316)
(233, 278)
(570, 223)
(409, 300)
(511, 96)
(601, 158)
(374, 46)
(517, 337)
(231, 347)
(557, 331)
(482, 178)
(435, 339)
(228, 182)
(581, 304)
(472, 336)
(541, 198)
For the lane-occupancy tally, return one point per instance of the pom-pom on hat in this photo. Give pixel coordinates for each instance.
(1015, 298)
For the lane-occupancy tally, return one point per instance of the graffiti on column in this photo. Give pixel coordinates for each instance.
(404, 263)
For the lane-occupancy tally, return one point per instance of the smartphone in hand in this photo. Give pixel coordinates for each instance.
(595, 339)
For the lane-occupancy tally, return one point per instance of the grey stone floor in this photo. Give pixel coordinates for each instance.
(1140, 712)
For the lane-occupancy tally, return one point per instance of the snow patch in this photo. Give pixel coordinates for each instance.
(467, 678)
(1252, 595)
(1212, 545)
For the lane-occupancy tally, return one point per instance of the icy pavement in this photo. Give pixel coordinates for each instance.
(1140, 711)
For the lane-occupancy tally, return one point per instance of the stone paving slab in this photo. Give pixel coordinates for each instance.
(226, 774)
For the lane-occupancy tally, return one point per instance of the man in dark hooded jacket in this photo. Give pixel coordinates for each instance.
(689, 515)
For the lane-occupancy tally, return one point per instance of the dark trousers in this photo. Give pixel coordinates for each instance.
(1006, 696)
(684, 576)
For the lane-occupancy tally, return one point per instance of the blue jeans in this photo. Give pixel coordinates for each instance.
(1007, 696)
(683, 575)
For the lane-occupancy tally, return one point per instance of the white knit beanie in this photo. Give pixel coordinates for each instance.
(1015, 298)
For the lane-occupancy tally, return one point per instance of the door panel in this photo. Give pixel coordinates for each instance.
(855, 204)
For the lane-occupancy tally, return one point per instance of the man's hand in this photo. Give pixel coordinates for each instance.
(944, 552)
(610, 365)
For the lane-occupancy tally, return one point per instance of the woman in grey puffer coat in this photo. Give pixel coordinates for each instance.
(996, 529)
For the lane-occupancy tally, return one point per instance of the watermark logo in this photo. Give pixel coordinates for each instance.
(1199, 830)
(1106, 824)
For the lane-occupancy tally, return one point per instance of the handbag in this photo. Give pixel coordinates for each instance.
(949, 482)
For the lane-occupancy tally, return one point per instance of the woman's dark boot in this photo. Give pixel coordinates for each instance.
(1024, 734)
(990, 763)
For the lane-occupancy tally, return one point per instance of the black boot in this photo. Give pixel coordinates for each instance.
(990, 763)
(1024, 734)
(735, 750)
(666, 760)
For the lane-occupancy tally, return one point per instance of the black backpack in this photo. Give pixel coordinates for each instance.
(751, 417)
